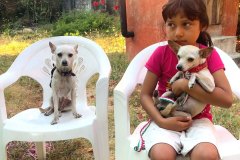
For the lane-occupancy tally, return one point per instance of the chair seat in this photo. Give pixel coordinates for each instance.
(33, 125)
(227, 143)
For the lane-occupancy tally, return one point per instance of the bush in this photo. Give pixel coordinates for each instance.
(84, 22)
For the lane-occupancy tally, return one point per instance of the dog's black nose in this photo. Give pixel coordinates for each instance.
(64, 63)
(179, 67)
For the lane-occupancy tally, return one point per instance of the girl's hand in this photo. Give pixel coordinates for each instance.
(221, 95)
(179, 86)
(176, 123)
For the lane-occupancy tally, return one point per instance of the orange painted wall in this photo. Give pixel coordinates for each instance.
(145, 20)
(230, 17)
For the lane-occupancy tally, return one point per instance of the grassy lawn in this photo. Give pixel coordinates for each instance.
(80, 148)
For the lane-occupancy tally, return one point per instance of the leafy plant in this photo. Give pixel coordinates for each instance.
(84, 22)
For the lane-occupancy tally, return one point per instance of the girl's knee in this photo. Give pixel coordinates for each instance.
(162, 152)
(205, 151)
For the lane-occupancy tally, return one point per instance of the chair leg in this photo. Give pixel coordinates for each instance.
(100, 141)
(41, 150)
(96, 152)
(3, 151)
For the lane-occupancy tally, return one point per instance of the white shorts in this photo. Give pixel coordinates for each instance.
(202, 130)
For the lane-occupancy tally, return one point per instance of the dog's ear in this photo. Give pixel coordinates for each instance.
(75, 48)
(174, 46)
(205, 52)
(52, 46)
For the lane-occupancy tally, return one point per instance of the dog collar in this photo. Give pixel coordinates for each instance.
(198, 68)
(69, 73)
(65, 74)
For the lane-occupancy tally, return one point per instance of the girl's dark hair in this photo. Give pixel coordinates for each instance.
(194, 10)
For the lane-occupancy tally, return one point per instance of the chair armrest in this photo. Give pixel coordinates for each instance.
(121, 120)
(6, 79)
(122, 93)
(102, 86)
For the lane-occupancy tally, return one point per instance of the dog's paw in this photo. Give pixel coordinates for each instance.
(60, 114)
(191, 85)
(54, 121)
(76, 115)
(171, 81)
(187, 75)
(49, 112)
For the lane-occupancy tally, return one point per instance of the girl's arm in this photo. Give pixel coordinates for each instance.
(172, 123)
(221, 95)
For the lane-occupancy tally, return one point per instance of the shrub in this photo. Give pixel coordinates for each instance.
(83, 22)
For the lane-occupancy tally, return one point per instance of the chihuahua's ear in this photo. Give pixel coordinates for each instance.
(52, 46)
(205, 52)
(75, 48)
(174, 46)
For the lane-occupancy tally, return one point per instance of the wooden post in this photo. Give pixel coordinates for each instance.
(214, 10)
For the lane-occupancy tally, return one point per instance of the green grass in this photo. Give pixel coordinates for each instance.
(229, 118)
(80, 148)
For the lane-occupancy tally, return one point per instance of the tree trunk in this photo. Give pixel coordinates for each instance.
(68, 5)
(109, 6)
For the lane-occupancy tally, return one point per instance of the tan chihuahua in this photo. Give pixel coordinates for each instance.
(63, 82)
(193, 66)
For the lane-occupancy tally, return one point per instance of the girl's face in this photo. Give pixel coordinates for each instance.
(182, 30)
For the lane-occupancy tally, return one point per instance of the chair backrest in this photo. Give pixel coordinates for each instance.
(136, 70)
(36, 62)
(232, 72)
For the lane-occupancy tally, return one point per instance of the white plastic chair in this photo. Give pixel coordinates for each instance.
(32, 126)
(135, 73)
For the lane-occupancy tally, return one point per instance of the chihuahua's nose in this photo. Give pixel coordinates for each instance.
(179, 67)
(64, 63)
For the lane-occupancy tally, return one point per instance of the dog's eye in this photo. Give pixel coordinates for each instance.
(70, 55)
(190, 59)
(178, 57)
(59, 54)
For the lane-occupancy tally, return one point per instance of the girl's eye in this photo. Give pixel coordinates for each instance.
(171, 25)
(59, 54)
(186, 24)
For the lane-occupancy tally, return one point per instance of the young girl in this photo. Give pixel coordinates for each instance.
(186, 22)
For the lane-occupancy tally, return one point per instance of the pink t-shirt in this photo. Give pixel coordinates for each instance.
(163, 63)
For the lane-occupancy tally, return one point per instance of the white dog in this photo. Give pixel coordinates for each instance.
(63, 82)
(193, 66)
